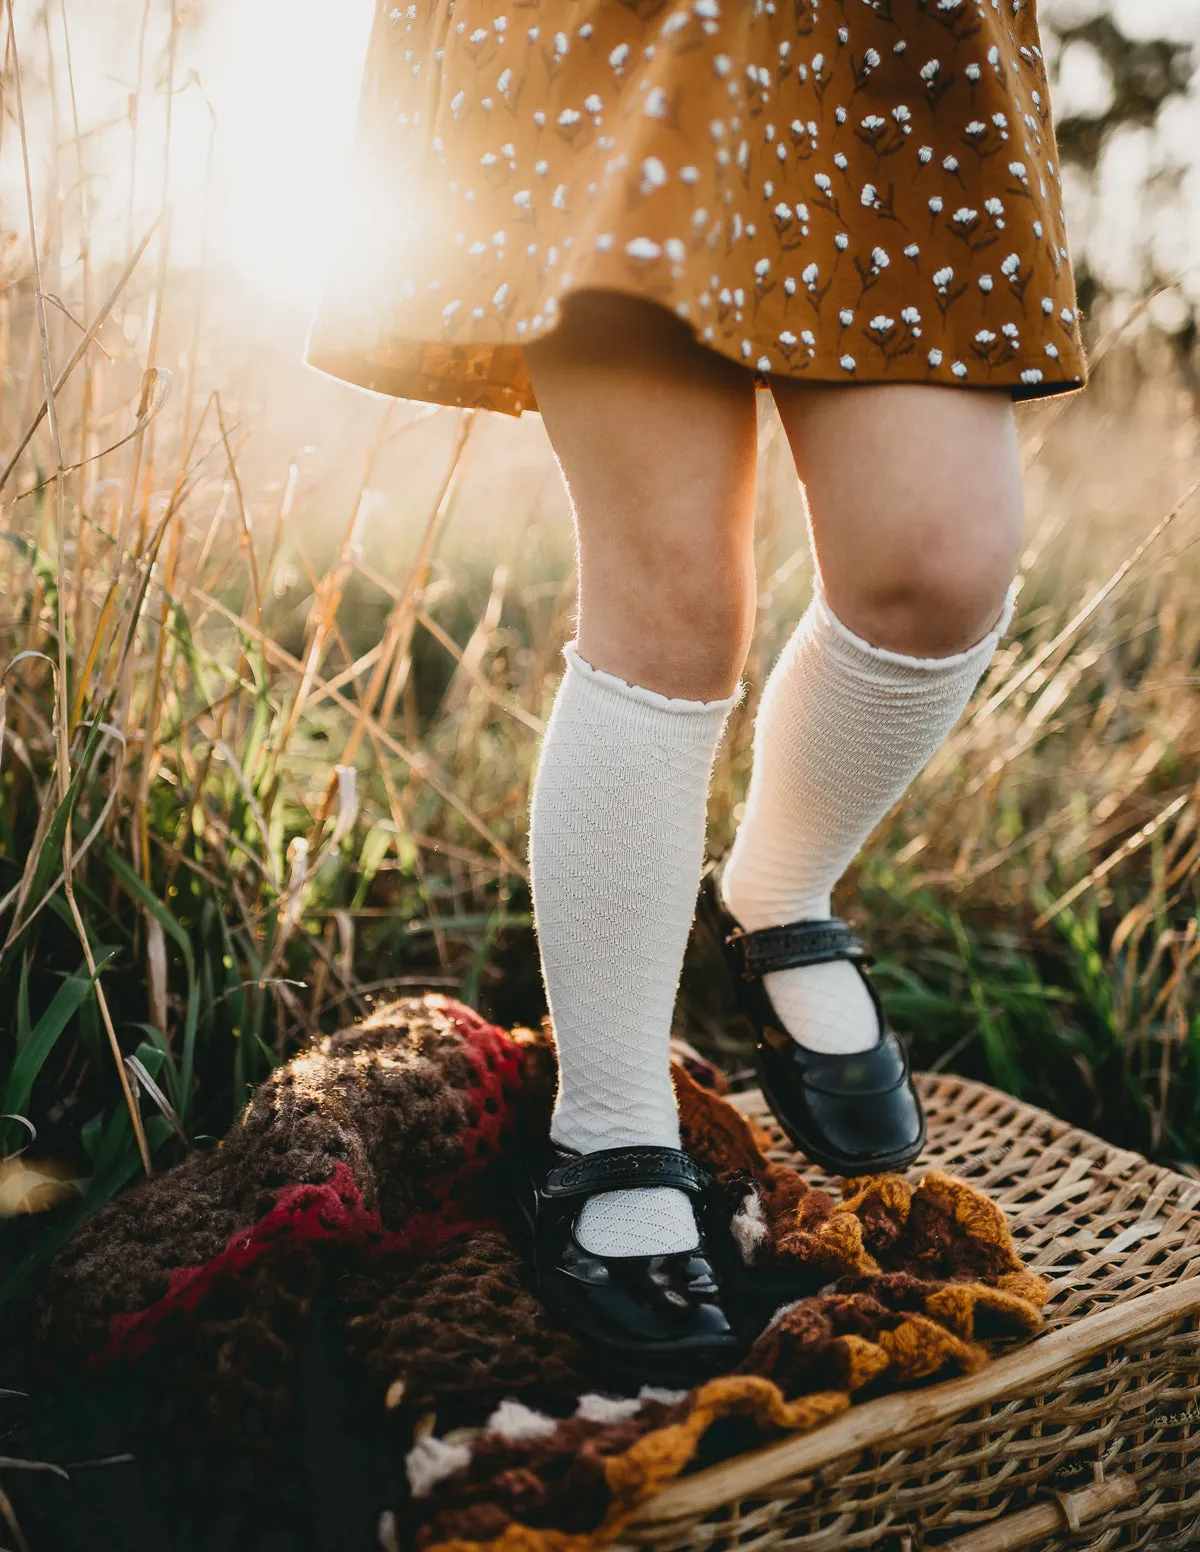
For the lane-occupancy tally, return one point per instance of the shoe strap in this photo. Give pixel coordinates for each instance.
(626, 1169)
(813, 942)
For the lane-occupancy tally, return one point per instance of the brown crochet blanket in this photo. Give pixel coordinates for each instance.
(359, 1196)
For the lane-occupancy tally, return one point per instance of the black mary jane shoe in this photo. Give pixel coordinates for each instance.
(856, 1114)
(650, 1316)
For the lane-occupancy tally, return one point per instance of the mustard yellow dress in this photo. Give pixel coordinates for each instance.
(835, 190)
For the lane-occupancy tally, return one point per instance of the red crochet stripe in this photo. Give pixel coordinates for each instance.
(492, 1105)
(333, 1211)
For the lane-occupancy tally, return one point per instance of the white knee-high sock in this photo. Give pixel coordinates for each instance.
(842, 729)
(616, 847)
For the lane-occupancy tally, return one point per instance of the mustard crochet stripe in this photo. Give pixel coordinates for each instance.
(918, 1346)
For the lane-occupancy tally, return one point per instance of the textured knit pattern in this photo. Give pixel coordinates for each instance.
(830, 190)
(616, 846)
(842, 729)
(274, 1358)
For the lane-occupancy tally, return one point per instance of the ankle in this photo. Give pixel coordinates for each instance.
(594, 1131)
(755, 905)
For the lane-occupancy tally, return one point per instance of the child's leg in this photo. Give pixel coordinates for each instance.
(914, 503)
(656, 439)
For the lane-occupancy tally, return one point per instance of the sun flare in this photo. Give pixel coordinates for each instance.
(275, 93)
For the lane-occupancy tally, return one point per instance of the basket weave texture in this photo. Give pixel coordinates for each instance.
(1088, 1437)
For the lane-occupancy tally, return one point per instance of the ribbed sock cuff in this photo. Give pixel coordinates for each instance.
(612, 684)
(858, 650)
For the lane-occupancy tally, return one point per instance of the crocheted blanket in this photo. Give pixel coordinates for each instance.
(346, 1243)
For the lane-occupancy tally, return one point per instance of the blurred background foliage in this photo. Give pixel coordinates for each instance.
(275, 656)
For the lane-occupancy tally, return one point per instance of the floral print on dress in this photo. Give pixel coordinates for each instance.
(839, 190)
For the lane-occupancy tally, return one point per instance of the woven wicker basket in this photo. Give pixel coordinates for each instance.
(1087, 1437)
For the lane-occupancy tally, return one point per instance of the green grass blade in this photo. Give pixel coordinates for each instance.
(35, 1052)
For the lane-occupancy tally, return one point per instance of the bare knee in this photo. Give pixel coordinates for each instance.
(939, 593)
(676, 618)
(914, 500)
(656, 438)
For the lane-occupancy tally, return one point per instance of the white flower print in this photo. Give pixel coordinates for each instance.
(654, 175)
(936, 110)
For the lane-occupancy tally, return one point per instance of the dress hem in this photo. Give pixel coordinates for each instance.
(361, 370)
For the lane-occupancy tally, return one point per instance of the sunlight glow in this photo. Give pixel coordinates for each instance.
(282, 78)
